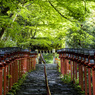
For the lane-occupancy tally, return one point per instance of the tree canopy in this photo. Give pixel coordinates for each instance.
(58, 23)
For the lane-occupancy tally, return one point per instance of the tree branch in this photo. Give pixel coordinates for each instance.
(85, 6)
(35, 32)
(2, 32)
(6, 9)
(59, 12)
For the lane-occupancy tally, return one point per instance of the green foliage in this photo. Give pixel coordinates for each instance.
(16, 86)
(66, 78)
(9, 76)
(48, 57)
(75, 9)
(79, 37)
(58, 20)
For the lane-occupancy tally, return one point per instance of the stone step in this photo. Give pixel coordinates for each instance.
(34, 93)
(35, 82)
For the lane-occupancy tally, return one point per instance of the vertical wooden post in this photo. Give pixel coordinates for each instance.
(71, 70)
(5, 80)
(67, 66)
(79, 74)
(82, 78)
(93, 80)
(89, 80)
(32, 63)
(25, 64)
(22, 60)
(13, 73)
(35, 62)
(20, 68)
(13, 70)
(28, 65)
(76, 69)
(85, 75)
(11, 76)
(1, 80)
(16, 70)
(62, 65)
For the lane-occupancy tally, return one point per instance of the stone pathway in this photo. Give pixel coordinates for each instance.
(57, 86)
(35, 82)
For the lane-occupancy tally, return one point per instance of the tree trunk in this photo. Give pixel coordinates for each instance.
(2, 32)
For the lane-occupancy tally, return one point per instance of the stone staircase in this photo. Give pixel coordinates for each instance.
(56, 85)
(35, 82)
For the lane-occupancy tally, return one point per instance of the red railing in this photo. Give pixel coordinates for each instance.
(14, 62)
(80, 64)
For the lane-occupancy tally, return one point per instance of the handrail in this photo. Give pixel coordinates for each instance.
(46, 79)
(82, 66)
(14, 62)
